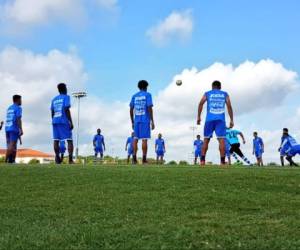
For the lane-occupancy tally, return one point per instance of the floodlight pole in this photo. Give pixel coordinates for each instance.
(78, 96)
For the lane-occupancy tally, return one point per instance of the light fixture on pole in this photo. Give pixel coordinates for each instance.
(78, 96)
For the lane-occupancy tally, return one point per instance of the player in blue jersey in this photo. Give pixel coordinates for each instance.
(198, 144)
(290, 147)
(282, 150)
(129, 146)
(232, 137)
(258, 148)
(62, 122)
(62, 149)
(99, 144)
(13, 128)
(160, 149)
(141, 115)
(227, 151)
(215, 119)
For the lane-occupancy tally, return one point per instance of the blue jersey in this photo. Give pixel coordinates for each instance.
(140, 102)
(198, 145)
(232, 136)
(62, 146)
(288, 144)
(258, 144)
(130, 143)
(160, 145)
(99, 141)
(14, 112)
(216, 101)
(58, 106)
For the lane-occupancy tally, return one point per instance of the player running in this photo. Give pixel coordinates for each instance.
(215, 119)
(99, 144)
(232, 137)
(290, 147)
(258, 148)
(62, 122)
(160, 149)
(62, 149)
(141, 115)
(198, 144)
(129, 146)
(13, 128)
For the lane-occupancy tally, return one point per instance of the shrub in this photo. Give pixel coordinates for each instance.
(34, 161)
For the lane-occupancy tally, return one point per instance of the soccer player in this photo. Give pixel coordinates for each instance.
(232, 137)
(141, 115)
(198, 143)
(62, 122)
(290, 147)
(62, 149)
(227, 151)
(99, 144)
(258, 148)
(129, 146)
(282, 150)
(160, 149)
(215, 119)
(13, 128)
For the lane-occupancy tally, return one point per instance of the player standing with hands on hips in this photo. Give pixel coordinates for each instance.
(141, 115)
(215, 119)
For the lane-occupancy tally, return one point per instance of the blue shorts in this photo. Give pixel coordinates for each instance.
(62, 132)
(217, 126)
(130, 152)
(227, 152)
(258, 153)
(98, 150)
(160, 153)
(282, 152)
(12, 136)
(295, 150)
(142, 130)
(197, 153)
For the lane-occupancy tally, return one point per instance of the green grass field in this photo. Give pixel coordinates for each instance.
(149, 208)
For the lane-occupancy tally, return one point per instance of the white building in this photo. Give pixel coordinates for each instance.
(24, 156)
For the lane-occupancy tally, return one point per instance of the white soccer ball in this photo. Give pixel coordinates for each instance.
(178, 82)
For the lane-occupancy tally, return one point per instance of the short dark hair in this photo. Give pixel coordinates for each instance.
(16, 98)
(285, 130)
(255, 132)
(143, 84)
(62, 88)
(216, 85)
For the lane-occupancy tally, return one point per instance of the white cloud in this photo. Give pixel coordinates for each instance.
(254, 88)
(178, 25)
(24, 14)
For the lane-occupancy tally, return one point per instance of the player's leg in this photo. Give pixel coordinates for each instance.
(145, 135)
(229, 159)
(238, 151)
(145, 150)
(220, 130)
(208, 132)
(62, 155)
(128, 159)
(70, 150)
(56, 151)
(137, 132)
(101, 155)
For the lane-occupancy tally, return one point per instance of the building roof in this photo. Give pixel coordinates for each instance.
(22, 153)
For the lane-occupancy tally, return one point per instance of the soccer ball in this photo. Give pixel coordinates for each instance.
(178, 82)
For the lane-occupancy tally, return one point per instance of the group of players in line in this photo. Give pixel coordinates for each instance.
(142, 119)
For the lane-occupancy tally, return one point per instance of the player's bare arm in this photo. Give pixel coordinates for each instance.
(200, 109)
(68, 114)
(150, 109)
(19, 122)
(1, 125)
(230, 111)
(132, 117)
(243, 138)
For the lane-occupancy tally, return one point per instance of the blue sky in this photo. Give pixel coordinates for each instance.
(116, 52)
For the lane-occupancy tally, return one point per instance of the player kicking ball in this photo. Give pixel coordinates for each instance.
(290, 147)
(129, 147)
(258, 149)
(160, 149)
(215, 119)
(141, 115)
(232, 137)
(99, 144)
(62, 123)
(13, 128)
(198, 144)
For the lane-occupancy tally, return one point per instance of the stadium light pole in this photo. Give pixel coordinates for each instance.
(78, 96)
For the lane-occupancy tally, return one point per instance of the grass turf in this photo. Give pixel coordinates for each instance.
(149, 208)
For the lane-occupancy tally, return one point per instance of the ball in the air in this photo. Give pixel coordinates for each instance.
(178, 82)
